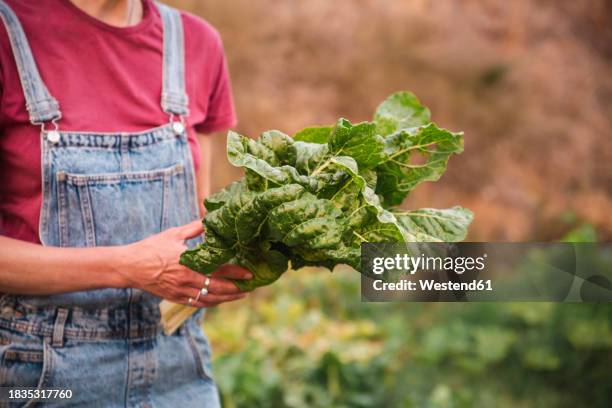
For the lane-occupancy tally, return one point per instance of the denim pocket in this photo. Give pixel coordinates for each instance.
(24, 364)
(200, 348)
(117, 208)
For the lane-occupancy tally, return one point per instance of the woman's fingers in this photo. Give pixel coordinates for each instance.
(191, 230)
(194, 279)
(220, 282)
(207, 300)
(230, 271)
(216, 285)
(213, 300)
(186, 284)
(222, 287)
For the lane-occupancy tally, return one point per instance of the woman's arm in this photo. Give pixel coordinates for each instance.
(151, 265)
(27, 268)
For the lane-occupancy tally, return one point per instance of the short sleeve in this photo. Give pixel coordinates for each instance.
(220, 112)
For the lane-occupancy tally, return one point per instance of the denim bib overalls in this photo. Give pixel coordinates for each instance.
(103, 189)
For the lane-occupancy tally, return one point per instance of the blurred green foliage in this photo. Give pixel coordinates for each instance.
(308, 341)
(582, 233)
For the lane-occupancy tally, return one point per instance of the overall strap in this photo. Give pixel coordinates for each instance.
(174, 99)
(41, 106)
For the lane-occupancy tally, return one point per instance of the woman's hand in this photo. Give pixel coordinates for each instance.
(154, 267)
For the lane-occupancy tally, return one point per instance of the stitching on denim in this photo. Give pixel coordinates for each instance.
(36, 329)
(197, 356)
(174, 97)
(59, 326)
(60, 186)
(44, 207)
(106, 141)
(40, 105)
(47, 364)
(26, 356)
(165, 203)
(86, 209)
(115, 178)
(124, 153)
(45, 373)
(159, 129)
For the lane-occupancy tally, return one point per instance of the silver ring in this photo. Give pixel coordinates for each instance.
(204, 290)
(190, 301)
(197, 296)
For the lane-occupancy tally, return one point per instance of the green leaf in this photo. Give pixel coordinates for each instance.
(413, 156)
(218, 199)
(370, 176)
(251, 217)
(315, 134)
(430, 224)
(399, 111)
(281, 144)
(358, 141)
(369, 220)
(207, 256)
(263, 163)
(330, 257)
(309, 156)
(222, 221)
(306, 221)
(266, 266)
(315, 198)
(377, 224)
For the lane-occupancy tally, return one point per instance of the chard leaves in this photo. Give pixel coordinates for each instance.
(314, 198)
(413, 156)
(315, 134)
(430, 224)
(360, 141)
(401, 110)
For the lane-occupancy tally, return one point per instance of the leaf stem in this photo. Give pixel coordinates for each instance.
(399, 152)
(360, 237)
(321, 167)
(417, 214)
(416, 166)
(357, 209)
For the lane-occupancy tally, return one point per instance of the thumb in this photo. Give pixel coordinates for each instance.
(193, 229)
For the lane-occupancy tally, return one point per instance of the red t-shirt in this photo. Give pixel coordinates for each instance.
(106, 79)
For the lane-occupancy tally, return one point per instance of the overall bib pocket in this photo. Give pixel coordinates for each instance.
(117, 208)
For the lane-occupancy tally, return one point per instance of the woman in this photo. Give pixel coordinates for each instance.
(100, 104)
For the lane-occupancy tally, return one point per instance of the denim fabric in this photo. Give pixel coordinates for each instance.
(102, 189)
(113, 189)
(104, 358)
(40, 104)
(174, 97)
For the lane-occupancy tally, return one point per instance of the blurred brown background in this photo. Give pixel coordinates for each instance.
(528, 81)
(530, 84)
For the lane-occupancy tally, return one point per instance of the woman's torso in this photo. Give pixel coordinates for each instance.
(106, 79)
(103, 188)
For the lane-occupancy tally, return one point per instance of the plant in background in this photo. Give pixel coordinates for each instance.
(312, 199)
(309, 344)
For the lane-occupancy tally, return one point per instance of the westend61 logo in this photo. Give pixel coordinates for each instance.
(486, 271)
(412, 264)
